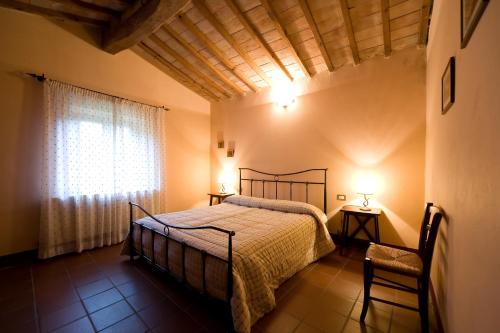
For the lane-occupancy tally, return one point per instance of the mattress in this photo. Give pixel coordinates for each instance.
(273, 240)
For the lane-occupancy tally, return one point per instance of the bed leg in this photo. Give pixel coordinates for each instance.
(229, 315)
(131, 244)
(131, 233)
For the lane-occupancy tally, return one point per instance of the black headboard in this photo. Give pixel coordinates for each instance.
(266, 177)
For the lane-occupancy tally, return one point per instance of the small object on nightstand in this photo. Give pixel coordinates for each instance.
(219, 196)
(362, 217)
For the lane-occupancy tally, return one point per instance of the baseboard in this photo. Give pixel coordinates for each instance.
(437, 313)
(18, 258)
(356, 242)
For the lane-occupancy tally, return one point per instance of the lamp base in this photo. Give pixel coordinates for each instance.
(365, 204)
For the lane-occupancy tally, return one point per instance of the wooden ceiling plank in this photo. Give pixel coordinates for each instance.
(201, 58)
(177, 73)
(142, 23)
(279, 26)
(384, 4)
(350, 31)
(317, 36)
(189, 66)
(257, 37)
(424, 22)
(229, 38)
(207, 43)
(47, 12)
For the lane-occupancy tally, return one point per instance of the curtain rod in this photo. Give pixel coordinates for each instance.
(41, 78)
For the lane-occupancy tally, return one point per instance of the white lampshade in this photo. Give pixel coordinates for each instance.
(366, 183)
(225, 181)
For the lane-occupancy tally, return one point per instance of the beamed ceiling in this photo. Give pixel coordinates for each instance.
(226, 48)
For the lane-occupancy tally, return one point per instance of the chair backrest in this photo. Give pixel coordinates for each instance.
(424, 228)
(428, 235)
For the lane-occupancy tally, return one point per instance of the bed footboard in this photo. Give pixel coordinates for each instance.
(140, 252)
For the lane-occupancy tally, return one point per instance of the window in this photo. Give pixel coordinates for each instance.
(105, 148)
(100, 152)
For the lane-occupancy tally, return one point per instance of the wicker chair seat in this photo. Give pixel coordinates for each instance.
(395, 259)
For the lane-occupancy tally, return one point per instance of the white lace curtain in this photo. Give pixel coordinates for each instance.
(100, 152)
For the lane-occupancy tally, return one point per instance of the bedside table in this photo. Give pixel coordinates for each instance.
(362, 217)
(219, 196)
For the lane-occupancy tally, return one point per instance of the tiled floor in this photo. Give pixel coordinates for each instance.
(100, 290)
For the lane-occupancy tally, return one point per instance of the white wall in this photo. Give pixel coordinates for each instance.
(463, 168)
(33, 44)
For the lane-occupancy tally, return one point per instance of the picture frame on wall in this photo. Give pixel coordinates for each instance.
(471, 12)
(448, 86)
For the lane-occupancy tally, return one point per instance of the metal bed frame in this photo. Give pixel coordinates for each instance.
(230, 234)
(276, 180)
(166, 234)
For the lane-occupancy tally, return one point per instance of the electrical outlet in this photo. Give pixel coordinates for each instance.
(341, 197)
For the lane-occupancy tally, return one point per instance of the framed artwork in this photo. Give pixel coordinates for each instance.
(471, 14)
(448, 86)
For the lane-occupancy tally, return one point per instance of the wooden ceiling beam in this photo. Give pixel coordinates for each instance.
(257, 37)
(424, 23)
(317, 36)
(177, 37)
(96, 8)
(207, 43)
(234, 44)
(131, 9)
(117, 5)
(384, 4)
(279, 26)
(174, 72)
(189, 66)
(140, 24)
(51, 13)
(350, 31)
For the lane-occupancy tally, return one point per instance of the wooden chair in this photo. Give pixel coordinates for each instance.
(415, 264)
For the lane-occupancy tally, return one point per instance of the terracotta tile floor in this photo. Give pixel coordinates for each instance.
(100, 290)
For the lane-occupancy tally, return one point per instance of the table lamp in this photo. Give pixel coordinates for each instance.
(365, 202)
(223, 182)
(366, 187)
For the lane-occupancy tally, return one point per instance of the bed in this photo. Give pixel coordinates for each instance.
(239, 251)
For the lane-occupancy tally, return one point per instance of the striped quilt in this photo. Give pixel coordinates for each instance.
(274, 240)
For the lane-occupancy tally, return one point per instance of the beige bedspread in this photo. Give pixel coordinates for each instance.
(274, 239)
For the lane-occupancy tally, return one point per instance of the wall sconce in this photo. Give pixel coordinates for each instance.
(220, 140)
(283, 93)
(230, 149)
(286, 100)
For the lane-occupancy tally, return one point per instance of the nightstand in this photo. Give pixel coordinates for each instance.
(362, 217)
(219, 196)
